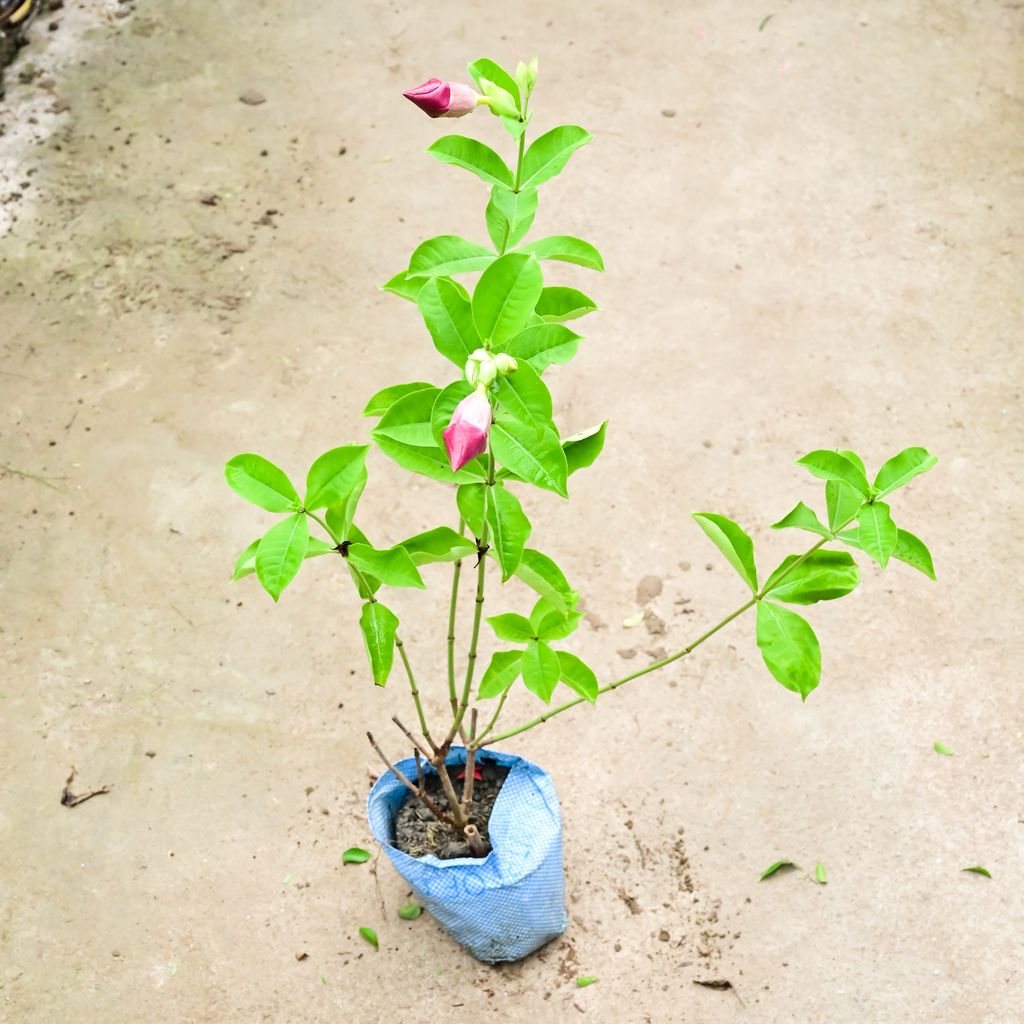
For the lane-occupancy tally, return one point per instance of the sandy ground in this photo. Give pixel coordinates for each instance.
(821, 247)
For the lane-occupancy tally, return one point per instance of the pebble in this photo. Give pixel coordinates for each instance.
(648, 589)
(252, 98)
(627, 652)
(668, 112)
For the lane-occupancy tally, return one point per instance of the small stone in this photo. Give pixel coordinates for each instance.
(663, 936)
(115, 952)
(301, 956)
(627, 652)
(648, 589)
(653, 623)
(60, 105)
(209, 199)
(685, 566)
(252, 98)
(668, 112)
(150, 753)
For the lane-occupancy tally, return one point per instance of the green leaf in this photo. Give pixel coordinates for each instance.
(566, 249)
(379, 625)
(403, 285)
(485, 69)
(244, 565)
(544, 344)
(536, 457)
(829, 465)
(280, 553)
(842, 502)
(500, 675)
(444, 407)
(258, 480)
(339, 516)
(441, 544)
(820, 875)
(551, 151)
(523, 396)
(541, 669)
(511, 627)
(394, 567)
(543, 577)
(505, 296)
(877, 533)
(410, 912)
(908, 549)
(913, 551)
(446, 312)
(334, 475)
(558, 304)
(802, 518)
(733, 542)
(510, 529)
(370, 936)
(386, 397)
(789, 648)
(822, 576)
(473, 156)
(941, 748)
(355, 855)
(902, 468)
(581, 450)
(578, 676)
(470, 500)
(585, 980)
(978, 870)
(549, 623)
(444, 255)
(509, 216)
(777, 866)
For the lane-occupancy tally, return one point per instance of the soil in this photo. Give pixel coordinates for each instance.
(418, 832)
(821, 248)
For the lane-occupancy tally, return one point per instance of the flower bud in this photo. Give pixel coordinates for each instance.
(499, 100)
(505, 363)
(465, 437)
(481, 368)
(443, 99)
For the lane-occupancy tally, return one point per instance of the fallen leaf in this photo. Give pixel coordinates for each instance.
(355, 855)
(370, 935)
(633, 621)
(777, 866)
(819, 874)
(941, 748)
(585, 979)
(410, 911)
(978, 870)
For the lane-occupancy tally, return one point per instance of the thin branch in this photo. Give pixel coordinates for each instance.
(468, 778)
(420, 794)
(412, 739)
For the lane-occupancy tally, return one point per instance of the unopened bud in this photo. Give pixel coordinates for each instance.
(505, 363)
(499, 100)
(481, 369)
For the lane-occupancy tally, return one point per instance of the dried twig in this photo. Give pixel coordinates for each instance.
(69, 799)
(412, 739)
(422, 796)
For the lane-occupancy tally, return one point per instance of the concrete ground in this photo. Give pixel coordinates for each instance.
(811, 225)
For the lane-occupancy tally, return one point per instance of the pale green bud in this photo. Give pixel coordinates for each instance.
(499, 100)
(505, 363)
(481, 369)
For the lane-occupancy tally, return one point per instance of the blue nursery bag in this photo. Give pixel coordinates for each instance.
(511, 902)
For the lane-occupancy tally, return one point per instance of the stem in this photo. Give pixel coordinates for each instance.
(361, 582)
(478, 742)
(478, 611)
(453, 696)
(420, 794)
(470, 774)
(540, 719)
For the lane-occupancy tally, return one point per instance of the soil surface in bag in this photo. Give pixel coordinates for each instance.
(418, 832)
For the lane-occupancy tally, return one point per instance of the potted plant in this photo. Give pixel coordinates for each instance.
(476, 831)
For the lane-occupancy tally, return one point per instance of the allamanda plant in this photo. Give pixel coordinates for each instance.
(490, 432)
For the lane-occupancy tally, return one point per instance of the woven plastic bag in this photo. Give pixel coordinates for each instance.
(511, 902)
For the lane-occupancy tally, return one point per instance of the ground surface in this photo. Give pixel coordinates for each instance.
(819, 247)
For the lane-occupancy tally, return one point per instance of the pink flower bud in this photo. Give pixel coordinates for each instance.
(443, 99)
(465, 437)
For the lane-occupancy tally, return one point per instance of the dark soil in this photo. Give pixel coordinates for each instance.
(418, 832)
